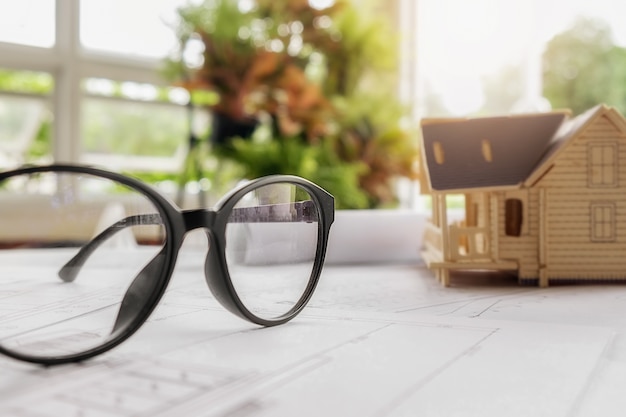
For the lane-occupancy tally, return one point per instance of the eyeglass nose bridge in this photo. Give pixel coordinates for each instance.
(198, 219)
(136, 295)
(214, 270)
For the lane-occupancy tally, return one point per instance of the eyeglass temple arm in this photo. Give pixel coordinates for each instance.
(70, 270)
(301, 211)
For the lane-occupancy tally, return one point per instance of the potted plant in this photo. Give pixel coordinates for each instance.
(289, 79)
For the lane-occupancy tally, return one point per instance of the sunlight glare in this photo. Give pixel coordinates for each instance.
(463, 95)
(467, 41)
(138, 27)
(20, 24)
(321, 4)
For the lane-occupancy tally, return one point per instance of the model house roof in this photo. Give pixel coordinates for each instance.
(498, 151)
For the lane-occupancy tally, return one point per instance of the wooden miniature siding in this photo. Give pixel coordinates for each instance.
(585, 211)
(523, 248)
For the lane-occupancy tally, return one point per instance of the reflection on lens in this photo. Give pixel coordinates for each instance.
(45, 219)
(271, 243)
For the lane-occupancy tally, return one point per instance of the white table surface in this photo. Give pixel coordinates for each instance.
(375, 340)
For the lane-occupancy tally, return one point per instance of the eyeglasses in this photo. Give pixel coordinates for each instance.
(86, 255)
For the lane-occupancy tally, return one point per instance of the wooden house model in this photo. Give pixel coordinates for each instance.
(544, 195)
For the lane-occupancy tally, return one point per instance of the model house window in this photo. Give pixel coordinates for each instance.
(602, 222)
(513, 216)
(438, 152)
(486, 150)
(603, 165)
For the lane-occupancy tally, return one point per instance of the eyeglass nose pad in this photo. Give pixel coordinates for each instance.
(216, 276)
(138, 294)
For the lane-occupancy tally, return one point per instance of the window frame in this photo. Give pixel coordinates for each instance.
(69, 64)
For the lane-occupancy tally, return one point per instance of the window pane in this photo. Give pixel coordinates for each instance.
(28, 22)
(26, 81)
(129, 128)
(22, 122)
(138, 27)
(25, 119)
(133, 135)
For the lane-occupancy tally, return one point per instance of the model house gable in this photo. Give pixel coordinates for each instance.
(590, 139)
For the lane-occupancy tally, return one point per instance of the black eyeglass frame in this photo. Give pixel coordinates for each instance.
(177, 222)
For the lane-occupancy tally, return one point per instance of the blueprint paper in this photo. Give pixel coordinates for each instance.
(383, 340)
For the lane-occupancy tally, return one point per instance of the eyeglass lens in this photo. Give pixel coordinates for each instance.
(271, 253)
(45, 218)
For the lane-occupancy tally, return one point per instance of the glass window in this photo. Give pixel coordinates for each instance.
(137, 27)
(21, 120)
(26, 82)
(25, 118)
(485, 57)
(28, 22)
(133, 133)
(136, 126)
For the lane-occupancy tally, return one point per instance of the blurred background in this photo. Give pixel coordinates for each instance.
(195, 95)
